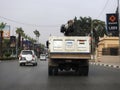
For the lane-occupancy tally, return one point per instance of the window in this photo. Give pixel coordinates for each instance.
(26, 52)
(110, 51)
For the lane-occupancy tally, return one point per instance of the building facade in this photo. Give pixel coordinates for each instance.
(108, 49)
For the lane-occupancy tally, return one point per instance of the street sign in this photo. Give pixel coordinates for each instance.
(112, 22)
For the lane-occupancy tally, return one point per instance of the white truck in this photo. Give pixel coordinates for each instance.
(69, 53)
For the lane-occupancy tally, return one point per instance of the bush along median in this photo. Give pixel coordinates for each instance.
(8, 58)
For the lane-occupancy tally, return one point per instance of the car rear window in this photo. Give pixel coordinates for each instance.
(42, 55)
(26, 52)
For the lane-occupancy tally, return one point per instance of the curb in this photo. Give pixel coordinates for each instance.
(105, 65)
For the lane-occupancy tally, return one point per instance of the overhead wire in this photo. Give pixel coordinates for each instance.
(114, 5)
(35, 25)
(103, 8)
(27, 24)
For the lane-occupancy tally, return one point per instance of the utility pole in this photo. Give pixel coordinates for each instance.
(1, 39)
(118, 27)
(92, 39)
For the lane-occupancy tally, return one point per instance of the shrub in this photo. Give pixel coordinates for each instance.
(7, 54)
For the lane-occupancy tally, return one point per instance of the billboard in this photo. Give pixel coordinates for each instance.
(6, 32)
(112, 22)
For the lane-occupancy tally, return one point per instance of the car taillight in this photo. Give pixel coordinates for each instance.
(20, 57)
(33, 56)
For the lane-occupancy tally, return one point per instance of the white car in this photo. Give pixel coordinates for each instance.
(27, 57)
(42, 56)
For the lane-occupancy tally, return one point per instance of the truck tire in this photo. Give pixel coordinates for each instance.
(50, 70)
(79, 72)
(55, 71)
(83, 71)
(86, 70)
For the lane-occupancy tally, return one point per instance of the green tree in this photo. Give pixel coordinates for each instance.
(99, 29)
(2, 26)
(37, 34)
(20, 32)
(82, 26)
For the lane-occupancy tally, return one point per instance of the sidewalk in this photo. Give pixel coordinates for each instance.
(114, 65)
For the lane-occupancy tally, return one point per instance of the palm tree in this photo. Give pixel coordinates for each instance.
(20, 32)
(2, 25)
(37, 34)
(83, 26)
(99, 29)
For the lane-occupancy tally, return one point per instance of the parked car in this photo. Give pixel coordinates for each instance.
(27, 57)
(42, 56)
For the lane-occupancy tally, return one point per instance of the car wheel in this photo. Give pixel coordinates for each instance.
(50, 70)
(22, 64)
(35, 64)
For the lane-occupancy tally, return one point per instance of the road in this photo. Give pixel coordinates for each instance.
(15, 77)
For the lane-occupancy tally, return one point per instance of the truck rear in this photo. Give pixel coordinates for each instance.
(69, 53)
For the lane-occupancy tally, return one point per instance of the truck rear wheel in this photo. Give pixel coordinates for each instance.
(50, 71)
(86, 70)
(55, 71)
(83, 71)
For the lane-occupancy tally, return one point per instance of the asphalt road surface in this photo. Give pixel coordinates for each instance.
(15, 77)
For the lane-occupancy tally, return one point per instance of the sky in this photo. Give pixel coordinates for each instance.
(47, 16)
